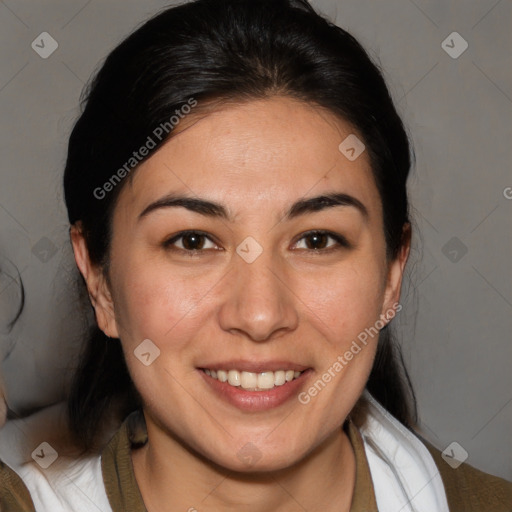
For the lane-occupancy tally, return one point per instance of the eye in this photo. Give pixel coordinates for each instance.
(190, 241)
(319, 241)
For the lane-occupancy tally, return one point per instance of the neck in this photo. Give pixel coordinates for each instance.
(168, 472)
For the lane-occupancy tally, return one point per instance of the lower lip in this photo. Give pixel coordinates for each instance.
(256, 400)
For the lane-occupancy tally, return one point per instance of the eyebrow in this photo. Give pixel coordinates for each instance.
(217, 210)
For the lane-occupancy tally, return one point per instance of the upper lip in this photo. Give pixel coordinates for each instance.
(255, 366)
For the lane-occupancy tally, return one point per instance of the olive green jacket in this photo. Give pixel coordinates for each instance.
(467, 489)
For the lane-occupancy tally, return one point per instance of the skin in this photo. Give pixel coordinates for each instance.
(293, 303)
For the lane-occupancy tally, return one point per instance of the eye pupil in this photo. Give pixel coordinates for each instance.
(192, 241)
(318, 240)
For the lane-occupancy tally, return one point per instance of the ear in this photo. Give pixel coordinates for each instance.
(395, 274)
(97, 286)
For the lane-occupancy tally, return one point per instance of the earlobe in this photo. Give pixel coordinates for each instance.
(396, 270)
(105, 315)
(97, 286)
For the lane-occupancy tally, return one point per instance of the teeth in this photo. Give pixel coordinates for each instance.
(254, 381)
(248, 380)
(280, 377)
(266, 380)
(234, 378)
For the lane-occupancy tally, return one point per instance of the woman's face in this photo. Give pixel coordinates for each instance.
(283, 272)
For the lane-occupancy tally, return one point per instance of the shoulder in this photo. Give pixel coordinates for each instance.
(67, 485)
(466, 488)
(471, 490)
(14, 496)
(62, 481)
(118, 475)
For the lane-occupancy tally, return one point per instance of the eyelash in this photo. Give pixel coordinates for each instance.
(340, 240)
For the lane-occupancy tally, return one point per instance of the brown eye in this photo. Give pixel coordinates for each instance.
(322, 241)
(193, 241)
(317, 241)
(190, 241)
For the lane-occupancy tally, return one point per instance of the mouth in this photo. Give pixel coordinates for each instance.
(255, 386)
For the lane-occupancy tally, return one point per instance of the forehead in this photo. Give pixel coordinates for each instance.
(253, 155)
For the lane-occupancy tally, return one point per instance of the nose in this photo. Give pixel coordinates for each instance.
(259, 303)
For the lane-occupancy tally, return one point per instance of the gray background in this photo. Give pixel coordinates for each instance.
(455, 328)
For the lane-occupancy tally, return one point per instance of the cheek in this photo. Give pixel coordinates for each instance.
(150, 304)
(166, 309)
(346, 301)
(344, 309)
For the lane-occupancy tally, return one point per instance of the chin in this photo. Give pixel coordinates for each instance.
(248, 466)
(250, 459)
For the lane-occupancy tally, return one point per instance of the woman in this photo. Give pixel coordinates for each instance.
(236, 189)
